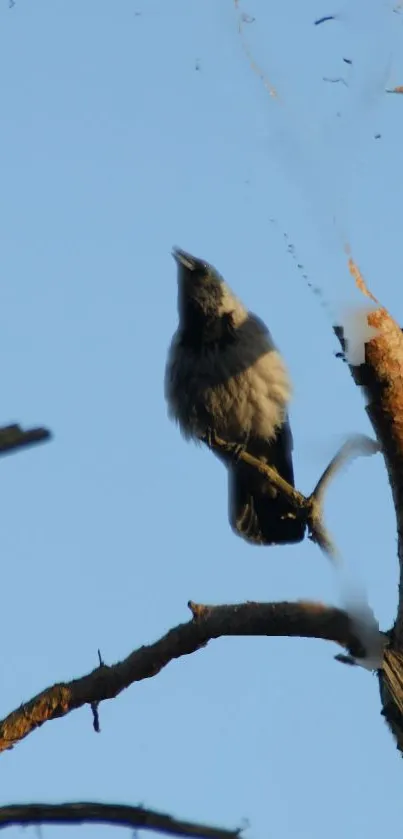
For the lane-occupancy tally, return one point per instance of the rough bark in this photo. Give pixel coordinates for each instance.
(301, 619)
(12, 437)
(381, 378)
(90, 812)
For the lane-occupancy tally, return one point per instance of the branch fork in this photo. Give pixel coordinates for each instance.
(309, 509)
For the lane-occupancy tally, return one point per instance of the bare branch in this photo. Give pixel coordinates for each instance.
(359, 444)
(381, 378)
(307, 508)
(81, 812)
(391, 690)
(302, 619)
(12, 437)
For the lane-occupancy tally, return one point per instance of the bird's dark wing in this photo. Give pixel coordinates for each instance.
(256, 511)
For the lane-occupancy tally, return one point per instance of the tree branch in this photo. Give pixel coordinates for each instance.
(302, 619)
(381, 378)
(117, 814)
(308, 509)
(12, 437)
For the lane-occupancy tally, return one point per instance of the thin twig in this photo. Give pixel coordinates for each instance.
(357, 445)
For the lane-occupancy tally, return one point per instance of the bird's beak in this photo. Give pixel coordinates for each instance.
(186, 259)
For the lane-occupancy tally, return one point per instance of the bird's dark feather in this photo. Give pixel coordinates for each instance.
(224, 375)
(256, 511)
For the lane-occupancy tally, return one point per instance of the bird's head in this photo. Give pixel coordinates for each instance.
(207, 307)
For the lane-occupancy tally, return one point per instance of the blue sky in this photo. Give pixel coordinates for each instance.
(121, 135)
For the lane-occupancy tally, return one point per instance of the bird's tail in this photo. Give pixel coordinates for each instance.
(256, 511)
(264, 521)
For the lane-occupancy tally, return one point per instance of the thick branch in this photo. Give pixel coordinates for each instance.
(12, 437)
(117, 814)
(382, 380)
(381, 377)
(301, 619)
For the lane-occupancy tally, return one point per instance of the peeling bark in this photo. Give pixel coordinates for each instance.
(381, 378)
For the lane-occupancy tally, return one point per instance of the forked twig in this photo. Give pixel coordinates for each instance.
(307, 508)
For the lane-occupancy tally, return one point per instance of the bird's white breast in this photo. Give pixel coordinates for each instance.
(244, 387)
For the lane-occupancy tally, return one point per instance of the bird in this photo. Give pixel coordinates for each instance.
(225, 377)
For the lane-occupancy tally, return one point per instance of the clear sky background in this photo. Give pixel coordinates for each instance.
(127, 127)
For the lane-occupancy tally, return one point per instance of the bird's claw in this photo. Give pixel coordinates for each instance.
(209, 438)
(213, 441)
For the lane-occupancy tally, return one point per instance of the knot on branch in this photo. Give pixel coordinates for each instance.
(199, 612)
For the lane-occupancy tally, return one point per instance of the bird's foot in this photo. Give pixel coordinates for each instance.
(307, 509)
(213, 441)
